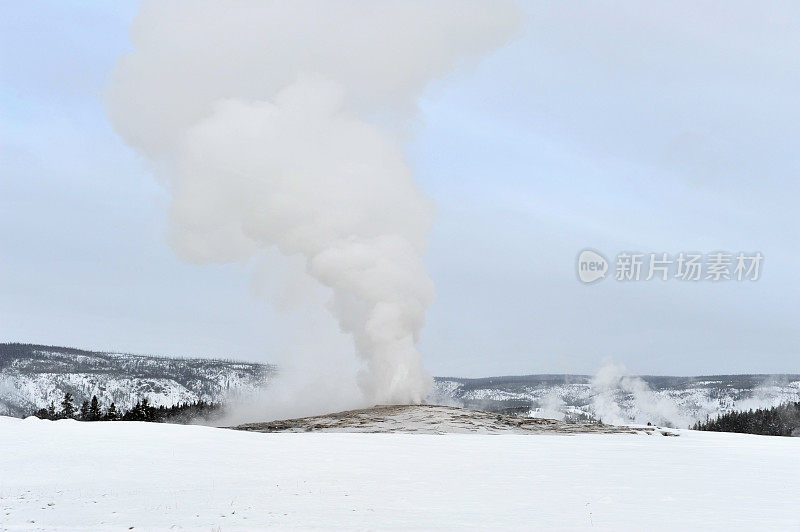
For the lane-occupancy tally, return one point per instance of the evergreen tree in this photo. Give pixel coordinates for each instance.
(135, 413)
(51, 411)
(111, 413)
(67, 408)
(84, 415)
(148, 412)
(94, 409)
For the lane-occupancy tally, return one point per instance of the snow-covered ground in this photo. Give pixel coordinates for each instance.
(112, 476)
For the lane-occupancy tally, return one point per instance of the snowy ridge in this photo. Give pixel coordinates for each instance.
(33, 376)
(670, 401)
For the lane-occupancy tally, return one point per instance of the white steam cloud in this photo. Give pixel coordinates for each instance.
(611, 383)
(279, 125)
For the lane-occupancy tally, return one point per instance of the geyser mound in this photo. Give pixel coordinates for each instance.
(434, 419)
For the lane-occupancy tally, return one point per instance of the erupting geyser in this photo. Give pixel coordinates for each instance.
(279, 124)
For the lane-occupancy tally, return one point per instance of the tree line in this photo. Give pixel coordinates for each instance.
(142, 411)
(782, 420)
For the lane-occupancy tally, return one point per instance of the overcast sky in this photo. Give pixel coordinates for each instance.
(661, 127)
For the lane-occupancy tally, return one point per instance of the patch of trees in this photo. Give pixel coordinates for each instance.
(142, 411)
(783, 420)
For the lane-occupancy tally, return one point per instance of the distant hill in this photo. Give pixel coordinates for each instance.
(670, 401)
(31, 376)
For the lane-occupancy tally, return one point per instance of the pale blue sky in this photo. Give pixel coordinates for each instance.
(623, 127)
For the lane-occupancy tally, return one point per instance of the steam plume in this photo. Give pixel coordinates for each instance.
(612, 381)
(278, 124)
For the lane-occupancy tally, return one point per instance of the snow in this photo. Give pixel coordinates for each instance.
(112, 476)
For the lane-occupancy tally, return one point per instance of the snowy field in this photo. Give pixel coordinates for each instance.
(114, 476)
